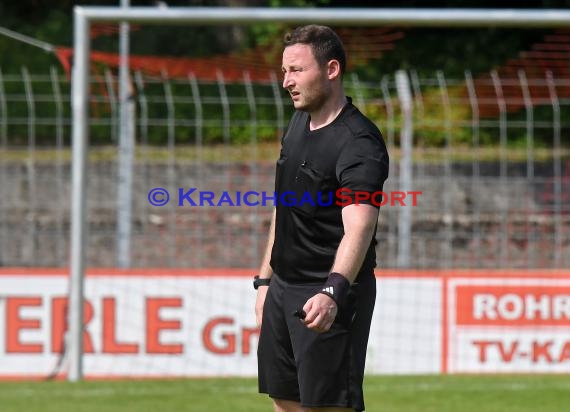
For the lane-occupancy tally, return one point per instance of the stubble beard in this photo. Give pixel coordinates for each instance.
(313, 102)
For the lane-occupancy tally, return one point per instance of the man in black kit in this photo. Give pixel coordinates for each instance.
(316, 287)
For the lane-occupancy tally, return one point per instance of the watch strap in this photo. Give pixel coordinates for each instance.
(257, 282)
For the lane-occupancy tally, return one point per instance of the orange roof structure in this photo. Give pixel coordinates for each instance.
(550, 58)
(362, 45)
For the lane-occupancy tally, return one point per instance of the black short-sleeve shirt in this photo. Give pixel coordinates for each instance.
(348, 154)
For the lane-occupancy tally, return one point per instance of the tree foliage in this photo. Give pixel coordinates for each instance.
(52, 21)
(423, 50)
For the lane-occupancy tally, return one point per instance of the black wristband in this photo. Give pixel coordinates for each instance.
(257, 282)
(336, 287)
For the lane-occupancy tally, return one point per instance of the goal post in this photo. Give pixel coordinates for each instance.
(85, 16)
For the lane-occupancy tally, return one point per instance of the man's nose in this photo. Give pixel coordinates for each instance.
(287, 81)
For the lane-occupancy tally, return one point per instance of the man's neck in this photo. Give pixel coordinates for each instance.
(328, 112)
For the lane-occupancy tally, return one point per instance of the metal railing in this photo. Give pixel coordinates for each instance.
(490, 155)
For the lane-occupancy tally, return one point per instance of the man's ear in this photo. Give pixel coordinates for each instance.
(333, 68)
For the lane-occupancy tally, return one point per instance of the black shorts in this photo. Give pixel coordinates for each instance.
(315, 369)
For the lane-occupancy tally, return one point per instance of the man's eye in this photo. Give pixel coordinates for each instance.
(293, 70)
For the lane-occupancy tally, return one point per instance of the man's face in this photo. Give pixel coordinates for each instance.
(304, 79)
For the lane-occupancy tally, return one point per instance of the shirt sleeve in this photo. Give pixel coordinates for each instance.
(362, 169)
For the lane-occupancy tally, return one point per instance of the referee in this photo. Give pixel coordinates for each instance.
(316, 287)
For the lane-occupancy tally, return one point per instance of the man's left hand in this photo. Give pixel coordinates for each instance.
(321, 312)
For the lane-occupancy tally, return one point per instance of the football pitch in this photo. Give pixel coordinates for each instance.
(516, 393)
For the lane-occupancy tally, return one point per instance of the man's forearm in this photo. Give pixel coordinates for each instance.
(265, 270)
(350, 255)
(359, 229)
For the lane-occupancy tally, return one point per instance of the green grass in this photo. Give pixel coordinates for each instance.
(518, 393)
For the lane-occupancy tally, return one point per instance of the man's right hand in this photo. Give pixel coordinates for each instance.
(259, 302)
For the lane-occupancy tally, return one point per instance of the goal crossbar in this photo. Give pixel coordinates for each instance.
(358, 16)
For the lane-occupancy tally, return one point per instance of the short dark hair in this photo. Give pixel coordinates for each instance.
(324, 42)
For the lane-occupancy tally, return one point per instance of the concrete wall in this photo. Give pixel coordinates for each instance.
(458, 221)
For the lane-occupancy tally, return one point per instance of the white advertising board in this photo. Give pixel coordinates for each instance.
(170, 323)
